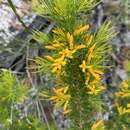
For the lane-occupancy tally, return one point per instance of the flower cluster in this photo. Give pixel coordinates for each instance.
(65, 47)
(124, 90)
(123, 93)
(61, 98)
(121, 107)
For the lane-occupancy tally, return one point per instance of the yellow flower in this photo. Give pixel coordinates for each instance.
(89, 40)
(50, 58)
(125, 84)
(70, 40)
(83, 66)
(50, 47)
(90, 53)
(90, 71)
(81, 30)
(56, 45)
(79, 47)
(128, 105)
(124, 91)
(95, 73)
(128, 111)
(92, 90)
(87, 78)
(122, 110)
(92, 48)
(67, 53)
(99, 125)
(66, 111)
(58, 65)
(122, 94)
(61, 98)
(95, 88)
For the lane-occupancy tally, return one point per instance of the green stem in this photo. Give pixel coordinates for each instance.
(80, 109)
(17, 15)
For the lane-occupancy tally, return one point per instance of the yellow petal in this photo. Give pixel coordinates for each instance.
(128, 105)
(57, 45)
(87, 78)
(70, 40)
(98, 125)
(53, 98)
(121, 110)
(66, 104)
(127, 111)
(99, 72)
(92, 90)
(97, 76)
(89, 40)
(90, 53)
(89, 57)
(125, 84)
(125, 94)
(50, 58)
(68, 36)
(56, 70)
(59, 90)
(80, 47)
(66, 89)
(83, 66)
(66, 111)
(66, 53)
(50, 47)
(81, 30)
(119, 94)
(92, 48)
